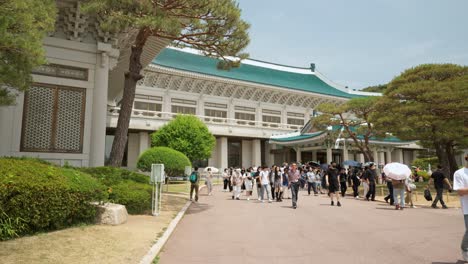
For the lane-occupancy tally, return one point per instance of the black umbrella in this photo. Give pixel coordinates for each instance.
(313, 164)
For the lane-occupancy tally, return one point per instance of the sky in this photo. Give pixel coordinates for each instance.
(358, 43)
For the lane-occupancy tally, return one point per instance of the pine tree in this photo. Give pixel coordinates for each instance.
(23, 25)
(212, 26)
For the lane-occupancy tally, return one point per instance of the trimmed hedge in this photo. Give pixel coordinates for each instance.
(39, 197)
(135, 196)
(173, 160)
(125, 187)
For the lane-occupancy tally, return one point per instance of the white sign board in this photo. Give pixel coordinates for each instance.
(157, 173)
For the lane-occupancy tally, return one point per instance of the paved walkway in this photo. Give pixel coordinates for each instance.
(221, 230)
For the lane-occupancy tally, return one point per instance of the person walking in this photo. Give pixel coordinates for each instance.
(248, 183)
(209, 181)
(439, 179)
(272, 181)
(285, 182)
(460, 184)
(343, 181)
(370, 177)
(390, 189)
(318, 180)
(278, 182)
(311, 181)
(294, 184)
(410, 187)
(333, 183)
(194, 183)
(236, 184)
(355, 181)
(258, 181)
(364, 183)
(265, 180)
(399, 187)
(225, 180)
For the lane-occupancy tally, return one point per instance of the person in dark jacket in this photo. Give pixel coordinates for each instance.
(370, 177)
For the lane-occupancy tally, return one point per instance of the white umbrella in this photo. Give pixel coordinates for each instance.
(397, 171)
(213, 169)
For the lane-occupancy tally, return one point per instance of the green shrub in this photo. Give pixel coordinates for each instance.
(44, 196)
(173, 160)
(110, 176)
(424, 174)
(135, 196)
(125, 187)
(423, 163)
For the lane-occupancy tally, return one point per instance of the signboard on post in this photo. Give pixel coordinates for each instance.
(157, 173)
(157, 179)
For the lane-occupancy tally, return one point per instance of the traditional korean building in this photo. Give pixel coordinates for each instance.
(257, 112)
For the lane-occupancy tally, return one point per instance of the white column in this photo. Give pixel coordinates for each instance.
(382, 158)
(376, 156)
(399, 155)
(361, 157)
(222, 143)
(256, 152)
(415, 155)
(201, 106)
(99, 107)
(329, 155)
(166, 107)
(389, 156)
(213, 160)
(269, 157)
(133, 150)
(345, 152)
(298, 155)
(258, 115)
(144, 141)
(314, 155)
(246, 153)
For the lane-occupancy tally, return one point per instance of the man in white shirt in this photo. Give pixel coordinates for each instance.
(460, 184)
(264, 178)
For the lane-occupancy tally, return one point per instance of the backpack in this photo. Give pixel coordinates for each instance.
(193, 177)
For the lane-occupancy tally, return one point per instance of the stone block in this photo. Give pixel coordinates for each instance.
(111, 214)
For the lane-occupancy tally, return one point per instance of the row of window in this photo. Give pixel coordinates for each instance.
(273, 117)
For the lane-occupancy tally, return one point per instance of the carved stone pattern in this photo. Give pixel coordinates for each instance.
(37, 130)
(75, 24)
(69, 120)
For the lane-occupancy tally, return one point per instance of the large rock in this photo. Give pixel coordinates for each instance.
(111, 214)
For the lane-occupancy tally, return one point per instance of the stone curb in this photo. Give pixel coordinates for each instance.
(156, 248)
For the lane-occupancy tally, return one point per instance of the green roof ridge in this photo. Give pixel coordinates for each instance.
(181, 60)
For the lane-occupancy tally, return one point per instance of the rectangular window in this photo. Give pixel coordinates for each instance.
(271, 119)
(178, 109)
(215, 105)
(245, 116)
(147, 106)
(215, 113)
(53, 119)
(244, 108)
(294, 121)
(295, 114)
(183, 101)
(271, 112)
(148, 97)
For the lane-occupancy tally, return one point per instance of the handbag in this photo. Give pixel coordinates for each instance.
(427, 195)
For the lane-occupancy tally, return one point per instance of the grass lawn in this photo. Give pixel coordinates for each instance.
(126, 243)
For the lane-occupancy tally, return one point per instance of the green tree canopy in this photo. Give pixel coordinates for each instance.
(23, 25)
(214, 27)
(174, 161)
(186, 134)
(376, 88)
(354, 116)
(428, 103)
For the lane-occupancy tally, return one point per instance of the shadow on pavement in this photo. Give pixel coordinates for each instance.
(196, 208)
(458, 262)
(386, 208)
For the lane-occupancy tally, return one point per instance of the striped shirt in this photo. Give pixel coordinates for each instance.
(294, 175)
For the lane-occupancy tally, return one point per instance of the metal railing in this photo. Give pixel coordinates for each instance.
(165, 116)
